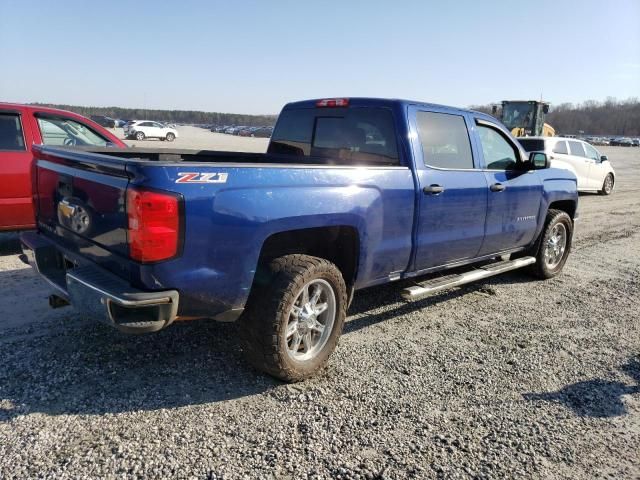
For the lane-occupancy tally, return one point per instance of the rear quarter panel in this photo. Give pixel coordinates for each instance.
(226, 224)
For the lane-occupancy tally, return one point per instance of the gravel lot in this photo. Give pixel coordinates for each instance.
(200, 138)
(510, 377)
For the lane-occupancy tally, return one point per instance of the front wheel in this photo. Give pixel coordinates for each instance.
(554, 244)
(170, 137)
(294, 317)
(607, 185)
(139, 136)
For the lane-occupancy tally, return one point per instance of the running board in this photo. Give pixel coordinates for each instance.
(436, 285)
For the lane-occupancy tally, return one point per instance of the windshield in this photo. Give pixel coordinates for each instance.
(517, 114)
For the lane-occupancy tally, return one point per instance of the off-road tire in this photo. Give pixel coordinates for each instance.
(540, 269)
(263, 324)
(607, 189)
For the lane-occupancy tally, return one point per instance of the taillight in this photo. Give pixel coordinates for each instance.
(154, 225)
(333, 102)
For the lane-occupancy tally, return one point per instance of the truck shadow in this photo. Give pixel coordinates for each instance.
(9, 243)
(77, 366)
(596, 398)
(373, 298)
(63, 363)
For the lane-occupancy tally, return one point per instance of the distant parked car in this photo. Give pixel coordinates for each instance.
(246, 132)
(143, 129)
(621, 142)
(103, 121)
(636, 142)
(593, 170)
(262, 132)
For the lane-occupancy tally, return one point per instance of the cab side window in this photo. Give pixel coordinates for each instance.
(592, 152)
(11, 137)
(498, 153)
(65, 131)
(445, 140)
(561, 148)
(576, 149)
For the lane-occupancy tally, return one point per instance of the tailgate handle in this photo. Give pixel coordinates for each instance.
(433, 189)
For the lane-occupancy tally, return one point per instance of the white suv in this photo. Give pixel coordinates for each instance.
(142, 129)
(593, 170)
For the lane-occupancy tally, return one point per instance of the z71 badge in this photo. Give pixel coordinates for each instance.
(193, 177)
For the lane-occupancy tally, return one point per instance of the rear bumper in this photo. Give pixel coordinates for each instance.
(97, 292)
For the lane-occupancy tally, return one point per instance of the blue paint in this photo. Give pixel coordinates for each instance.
(402, 231)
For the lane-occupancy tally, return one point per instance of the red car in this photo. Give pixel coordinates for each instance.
(21, 126)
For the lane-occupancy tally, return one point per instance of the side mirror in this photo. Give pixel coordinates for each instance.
(604, 158)
(494, 109)
(545, 109)
(538, 160)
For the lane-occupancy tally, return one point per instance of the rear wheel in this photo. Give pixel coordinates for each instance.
(170, 137)
(139, 136)
(554, 244)
(607, 185)
(294, 317)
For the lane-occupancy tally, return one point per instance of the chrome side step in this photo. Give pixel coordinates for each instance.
(436, 285)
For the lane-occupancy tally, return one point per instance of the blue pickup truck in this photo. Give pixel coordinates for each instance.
(351, 193)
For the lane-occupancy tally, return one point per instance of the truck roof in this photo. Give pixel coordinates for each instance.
(384, 102)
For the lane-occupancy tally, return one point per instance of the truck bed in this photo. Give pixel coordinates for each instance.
(230, 205)
(176, 155)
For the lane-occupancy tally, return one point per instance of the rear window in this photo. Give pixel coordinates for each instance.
(345, 136)
(11, 132)
(532, 145)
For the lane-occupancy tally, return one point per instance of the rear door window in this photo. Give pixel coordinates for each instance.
(11, 137)
(347, 136)
(445, 140)
(576, 149)
(561, 148)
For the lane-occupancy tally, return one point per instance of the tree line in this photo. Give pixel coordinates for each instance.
(170, 116)
(610, 117)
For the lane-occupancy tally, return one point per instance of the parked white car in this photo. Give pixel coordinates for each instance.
(142, 129)
(593, 170)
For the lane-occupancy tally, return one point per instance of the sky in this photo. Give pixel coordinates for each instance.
(254, 56)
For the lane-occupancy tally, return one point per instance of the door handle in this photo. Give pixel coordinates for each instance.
(497, 187)
(433, 189)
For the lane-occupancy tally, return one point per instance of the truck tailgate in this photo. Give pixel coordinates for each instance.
(81, 198)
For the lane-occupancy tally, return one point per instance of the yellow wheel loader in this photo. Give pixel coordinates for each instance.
(525, 118)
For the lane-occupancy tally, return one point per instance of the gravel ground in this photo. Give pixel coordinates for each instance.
(510, 377)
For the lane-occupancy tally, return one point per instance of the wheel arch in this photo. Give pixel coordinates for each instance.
(568, 206)
(340, 244)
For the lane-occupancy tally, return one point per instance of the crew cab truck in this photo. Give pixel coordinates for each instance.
(351, 193)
